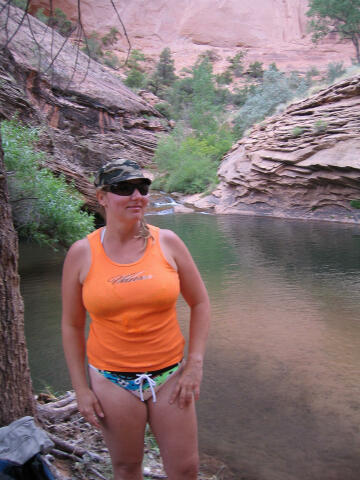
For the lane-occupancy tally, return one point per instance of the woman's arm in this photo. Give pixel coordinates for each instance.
(73, 330)
(195, 294)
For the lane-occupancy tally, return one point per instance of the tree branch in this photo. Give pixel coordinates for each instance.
(125, 32)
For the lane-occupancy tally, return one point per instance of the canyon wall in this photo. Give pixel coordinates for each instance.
(89, 115)
(270, 30)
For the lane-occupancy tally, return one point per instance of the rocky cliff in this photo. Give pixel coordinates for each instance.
(89, 115)
(270, 30)
(304, 163)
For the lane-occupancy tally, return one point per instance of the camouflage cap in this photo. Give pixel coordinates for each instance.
(118, 170)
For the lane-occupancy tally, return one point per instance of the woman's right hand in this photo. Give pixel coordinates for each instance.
(89, 406)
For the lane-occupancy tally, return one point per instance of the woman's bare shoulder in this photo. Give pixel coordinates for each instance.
(78, 259)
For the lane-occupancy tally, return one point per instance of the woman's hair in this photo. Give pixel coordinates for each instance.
(144, 231)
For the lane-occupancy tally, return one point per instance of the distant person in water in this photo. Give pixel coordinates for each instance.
(128, 276)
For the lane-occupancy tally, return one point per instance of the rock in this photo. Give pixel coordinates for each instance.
(304, 163)
(89, 115)
(270, 31)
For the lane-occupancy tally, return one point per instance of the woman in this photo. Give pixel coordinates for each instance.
(128, 276)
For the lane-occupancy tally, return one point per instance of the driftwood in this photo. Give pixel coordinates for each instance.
(79, 451)
(72, 449)
(58, 411)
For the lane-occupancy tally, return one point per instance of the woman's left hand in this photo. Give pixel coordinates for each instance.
(188, 385)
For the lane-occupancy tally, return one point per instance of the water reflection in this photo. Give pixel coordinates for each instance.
(281, 394)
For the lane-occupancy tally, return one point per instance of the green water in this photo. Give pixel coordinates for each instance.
(281, 394)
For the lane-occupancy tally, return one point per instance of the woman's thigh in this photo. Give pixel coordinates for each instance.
(124, 421)
(175, 429)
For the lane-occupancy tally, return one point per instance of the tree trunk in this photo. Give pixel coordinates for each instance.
(16, 398)
(355, 40)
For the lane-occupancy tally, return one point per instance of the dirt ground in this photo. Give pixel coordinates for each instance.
(80, 453)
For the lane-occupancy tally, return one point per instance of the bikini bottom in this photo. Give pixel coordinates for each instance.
(142, 385)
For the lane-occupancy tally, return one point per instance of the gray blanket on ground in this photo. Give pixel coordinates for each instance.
(21, 440)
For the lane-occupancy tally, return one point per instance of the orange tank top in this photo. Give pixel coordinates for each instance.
(134, 326)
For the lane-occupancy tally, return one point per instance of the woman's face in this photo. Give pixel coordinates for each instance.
(124, 207)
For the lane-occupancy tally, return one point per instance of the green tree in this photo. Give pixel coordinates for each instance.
(164, 74)
(136, 78)
(44, 207)
(236, 64)
(256, 70)
(276, 89)
(58, 21)
(339, 16)
(165, 69)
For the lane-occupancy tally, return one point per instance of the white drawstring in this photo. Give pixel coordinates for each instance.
(140, 380)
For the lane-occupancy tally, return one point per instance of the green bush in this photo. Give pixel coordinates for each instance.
(320, 126)
(93, 47)
(275, 89)
(110, 38)
(297, 131)
(135, 79)
(189, 164)
(334, 70)
(19, 3)
(164, 108)
(58, 21)
(355, 203)
(224, 78)
(45, 208)
(111, 60)
(236, 64)
(256, 70)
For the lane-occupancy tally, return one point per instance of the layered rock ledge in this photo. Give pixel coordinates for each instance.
(303, 163)
(88, 115)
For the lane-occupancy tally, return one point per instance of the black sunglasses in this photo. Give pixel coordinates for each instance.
(125, 189)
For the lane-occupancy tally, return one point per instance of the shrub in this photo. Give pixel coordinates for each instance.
(355, 203)
(58, 21)
(19, 3)
(297, 131)
(45, 208)
(255, 70)
(111, 60)
(224, 78)
(320, 126)
(189, 164)
(135, 79)
(236, 64)
(275, 89)
(164, 108)
(110, 38)
(334, 70)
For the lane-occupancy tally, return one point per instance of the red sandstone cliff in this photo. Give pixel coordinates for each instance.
(270, 30)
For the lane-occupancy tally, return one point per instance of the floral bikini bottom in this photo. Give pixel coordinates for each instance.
(143, 385)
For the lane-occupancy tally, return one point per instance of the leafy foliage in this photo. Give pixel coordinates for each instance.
(164, 74)
(57, 20)
(276, 89)
(355, 204)
(45, 208)
(236, 64)
(335, 16)
(334, 70)
(256, 70)
(94, 47)
(188, 158)
(189, 163)
(136, 78)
